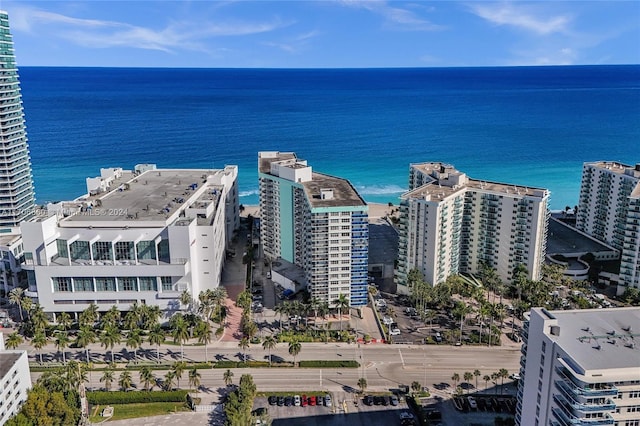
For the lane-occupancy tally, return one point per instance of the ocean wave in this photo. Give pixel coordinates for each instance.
(249, 193)
(380, 190)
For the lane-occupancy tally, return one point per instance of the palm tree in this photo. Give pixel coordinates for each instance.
(157, 337)
(185, 298)
(38, 318)
(89, 316)
(461, 310)
(203, 333)
(134, 341)
(85, 337)
(177, 369)
(476, 374)
(244, 345)
(61, 342)
(486, 379)
(269, 343)
(111, 318)
(125, 381)
(39, 341)
(15, 298)
(294, 349)
(109, 338)
(13, 340)
(194, 379)
(455, 378)
(107, 378)
(168, 380)
(64, 321)
(281, 310)
(341, 303)
(503, 373)
(147, 378)
(362, 384)
(416, 386)
(180, 334)
(467, 378)
(227, 377)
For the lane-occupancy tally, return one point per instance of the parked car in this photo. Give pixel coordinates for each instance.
(473, 404)
(296, 400)
(387, 320)
(312, 400)
(280, 401)
(268, 275)
(515, 376)
(368, 400)
(394, 332)
(327, 400)
(273, 400)
(304, 401)
(288, 401)
(394, 400)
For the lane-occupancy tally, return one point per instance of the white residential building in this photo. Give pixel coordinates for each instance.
(15, 381)
(609, 210)
(137, 236)
(451, 224)
(318, 223)
(580, 367)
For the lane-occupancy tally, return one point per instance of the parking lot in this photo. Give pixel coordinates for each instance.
(347, 408)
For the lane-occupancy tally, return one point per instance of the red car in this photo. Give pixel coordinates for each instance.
(312, 400)
(304, 400)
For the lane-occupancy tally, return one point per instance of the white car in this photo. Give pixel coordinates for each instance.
(515, 376)
(472, 403)
(380, 303)
(394, 332)
(387, 320)
(296, 400)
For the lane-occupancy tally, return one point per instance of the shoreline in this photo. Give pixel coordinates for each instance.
(376, 210)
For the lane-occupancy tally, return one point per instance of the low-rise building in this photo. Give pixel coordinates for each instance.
(580, 367)
(15, 381)
(137, 236)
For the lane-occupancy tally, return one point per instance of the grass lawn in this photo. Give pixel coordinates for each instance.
(131, 411)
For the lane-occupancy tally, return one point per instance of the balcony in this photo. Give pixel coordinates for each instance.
(602, 390)
(607, 405)
(565, 415)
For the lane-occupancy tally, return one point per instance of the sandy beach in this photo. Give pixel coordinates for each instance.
(376, 211)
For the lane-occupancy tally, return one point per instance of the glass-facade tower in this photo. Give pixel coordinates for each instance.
(17, 196)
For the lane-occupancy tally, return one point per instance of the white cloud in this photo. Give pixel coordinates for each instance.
(296, 44)
(521, 16)
(395, 17)
(102, 34)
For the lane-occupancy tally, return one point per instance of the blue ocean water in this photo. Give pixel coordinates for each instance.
(523, 125)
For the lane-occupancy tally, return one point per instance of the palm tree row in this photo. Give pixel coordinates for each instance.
(468, 376)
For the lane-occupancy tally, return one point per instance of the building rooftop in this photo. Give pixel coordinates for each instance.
(150, 196)
(7, 361)
(343, 193)
(600, 338)
(563, 239)
(266, 158)
(446, 181)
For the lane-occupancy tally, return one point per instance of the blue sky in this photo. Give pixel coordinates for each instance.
(323, 34)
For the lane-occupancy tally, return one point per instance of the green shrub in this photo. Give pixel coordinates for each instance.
(329, 364)
(122, 397)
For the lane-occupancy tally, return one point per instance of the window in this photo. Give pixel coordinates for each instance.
(124, 250)
(146, 250)
(80, 250)
(102, 250)
(127, 284)
(147, 283)
(163, 251)
(105, 284)
(167, 283)
(61, 284)
(62, 248)
(83, 284)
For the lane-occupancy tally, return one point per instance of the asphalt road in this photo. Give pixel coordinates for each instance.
(384, 366)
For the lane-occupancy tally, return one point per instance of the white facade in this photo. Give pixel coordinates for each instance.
(451, 224)
(609, 210)
(318, 223)
(138, 236)
(15, 381)
(580, 367)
